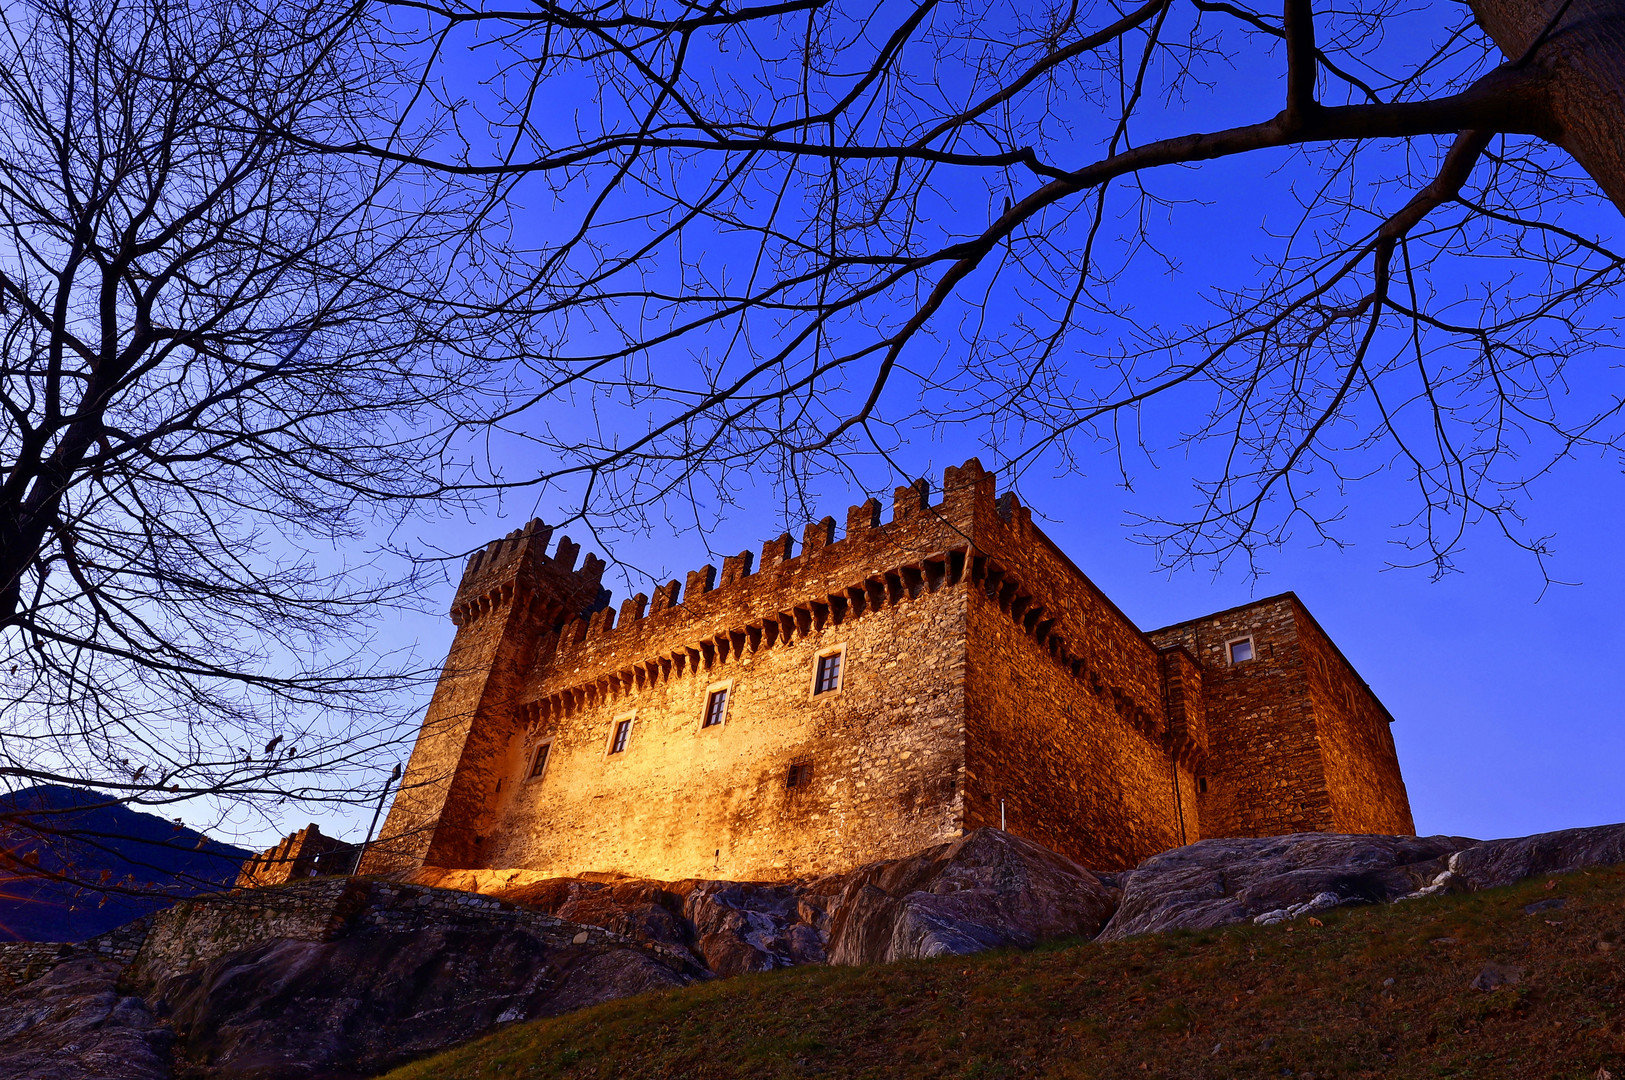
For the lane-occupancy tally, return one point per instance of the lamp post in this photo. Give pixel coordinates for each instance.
(394, 775)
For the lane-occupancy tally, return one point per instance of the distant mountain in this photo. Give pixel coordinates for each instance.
(142, 853)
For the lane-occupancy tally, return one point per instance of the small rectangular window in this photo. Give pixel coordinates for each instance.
(538, 764)
(716, 707)
(799, 776)
(1201, 785)
(623, 730)
(829, 674)
(1241, 650)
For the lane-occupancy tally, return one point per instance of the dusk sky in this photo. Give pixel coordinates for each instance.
(1502, 686)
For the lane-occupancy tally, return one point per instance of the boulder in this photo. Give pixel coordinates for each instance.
(73, 1024)
(1219, 882)
(640, 910)
(371, 1000)
(743, 926)
(1494, 863)
(723, 927)
(985, 890)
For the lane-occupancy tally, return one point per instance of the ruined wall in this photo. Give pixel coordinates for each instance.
(196, 931)
(1264, 775)
(1363, 780)
(23, 961)
(303, 854)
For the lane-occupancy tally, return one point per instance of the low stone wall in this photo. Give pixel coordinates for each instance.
(24, 961)
(197, 931)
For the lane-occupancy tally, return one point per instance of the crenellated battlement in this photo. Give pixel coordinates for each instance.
(968, 537)
(518, 566)
(918, 530)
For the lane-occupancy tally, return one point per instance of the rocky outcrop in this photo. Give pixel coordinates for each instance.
(722, 927)
(742, 927)
(984, 891)
(72, 1023)
(1494, 863)
(345, 978)
(1274, 879)
(1220, 882)
(364, 1003)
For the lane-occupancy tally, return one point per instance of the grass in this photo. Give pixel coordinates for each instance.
(1374, 992)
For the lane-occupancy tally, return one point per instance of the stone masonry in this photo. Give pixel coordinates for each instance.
(303, 854)
(983, 681)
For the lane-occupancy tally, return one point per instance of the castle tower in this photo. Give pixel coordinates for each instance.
(510, 606)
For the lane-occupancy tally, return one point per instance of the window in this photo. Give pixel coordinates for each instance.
(716, 707)
(799, 776)
(623, 730)
(1241, 650)
(827, 675)
(1201, 785)
(538, 762)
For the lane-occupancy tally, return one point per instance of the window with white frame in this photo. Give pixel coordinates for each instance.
(828, 669)
(620, 734)
(716, 705)
(1240, 650)
(539, 759)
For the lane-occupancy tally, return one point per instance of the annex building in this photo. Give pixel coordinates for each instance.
(862, 697)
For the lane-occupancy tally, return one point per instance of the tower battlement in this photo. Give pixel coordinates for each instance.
(518, 567)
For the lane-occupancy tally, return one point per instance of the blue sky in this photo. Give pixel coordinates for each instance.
(1502, 686)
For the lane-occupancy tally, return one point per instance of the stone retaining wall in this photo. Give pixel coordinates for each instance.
(200, 930)
(23, 961)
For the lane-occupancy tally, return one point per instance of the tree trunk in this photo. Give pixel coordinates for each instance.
(1584, 58)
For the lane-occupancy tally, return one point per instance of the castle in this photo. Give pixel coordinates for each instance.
(864, 697)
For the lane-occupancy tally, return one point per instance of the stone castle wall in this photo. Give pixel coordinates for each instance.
(980, 665)
(1069, 725)
(1071, 771)
(511, 600)
(884, 751)
(1357, 748)
(1265, 775)
(1298, 741)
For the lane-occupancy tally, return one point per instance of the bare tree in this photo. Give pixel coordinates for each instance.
(225, 357)
(257, 284)
(785, 231)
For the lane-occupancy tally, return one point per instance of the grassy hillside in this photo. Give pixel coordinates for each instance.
(1374, 992)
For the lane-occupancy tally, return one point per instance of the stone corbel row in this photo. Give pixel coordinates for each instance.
(888, 589)
(469, 610)
(540, 609)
